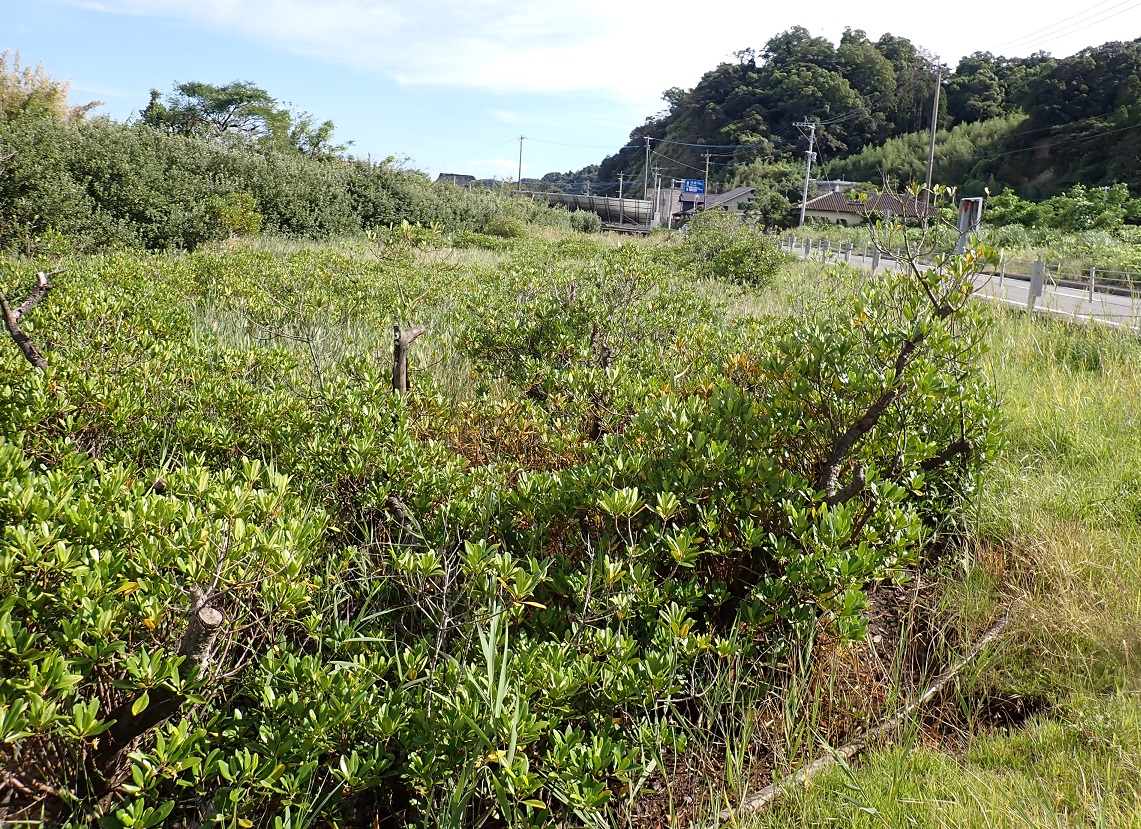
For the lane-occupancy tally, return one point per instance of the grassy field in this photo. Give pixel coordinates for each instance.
(541, 588)
(1056, 542)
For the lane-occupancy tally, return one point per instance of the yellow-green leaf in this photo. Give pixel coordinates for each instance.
(140, 704)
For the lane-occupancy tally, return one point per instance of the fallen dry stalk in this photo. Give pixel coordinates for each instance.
(769, 793)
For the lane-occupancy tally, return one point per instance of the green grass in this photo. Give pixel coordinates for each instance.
(1057, 537)
(1078, 767)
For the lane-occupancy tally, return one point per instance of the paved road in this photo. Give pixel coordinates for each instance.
(1072, 303)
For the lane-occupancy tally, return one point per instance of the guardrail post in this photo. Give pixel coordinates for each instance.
(847, 251)
(1037, 277)
(875, 259)
(807, 246)
(1001, 271)
(1092, 274)
(825, 246)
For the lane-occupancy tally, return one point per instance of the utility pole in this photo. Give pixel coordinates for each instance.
(705, 187)
(811, 127)
(621, 212)
(646, 171)
(519, 180)
(657, 195)
(934, 126)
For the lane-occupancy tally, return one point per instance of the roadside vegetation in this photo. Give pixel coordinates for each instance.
(1079, 229)
(503, 595)
(330, 496)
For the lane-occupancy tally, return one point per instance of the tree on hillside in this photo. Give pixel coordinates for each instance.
(1097, 81)
(872, 75)
(976, 92)
(909, 108)
(876, 96)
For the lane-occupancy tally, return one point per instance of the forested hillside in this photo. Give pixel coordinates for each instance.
(1038, 124)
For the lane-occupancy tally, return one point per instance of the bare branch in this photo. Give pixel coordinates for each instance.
(38, 293)
(959, 447)
(12, 318)
(859, 481)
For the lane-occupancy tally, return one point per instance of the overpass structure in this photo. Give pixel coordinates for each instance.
(611, 210)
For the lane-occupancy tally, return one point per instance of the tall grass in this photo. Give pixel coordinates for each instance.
(1056, 535)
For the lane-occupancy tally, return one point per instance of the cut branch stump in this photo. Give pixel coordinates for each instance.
(204, 623)
(401, 338)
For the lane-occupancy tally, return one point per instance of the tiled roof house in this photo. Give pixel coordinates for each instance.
(837, 208)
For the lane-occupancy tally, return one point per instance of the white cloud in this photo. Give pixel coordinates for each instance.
(625, 51)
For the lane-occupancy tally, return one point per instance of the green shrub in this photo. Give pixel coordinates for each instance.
(235, 214)
(482, 241)
(505, 227)
(585, 221)
(104, 184)
(719, 244)
(458, 605)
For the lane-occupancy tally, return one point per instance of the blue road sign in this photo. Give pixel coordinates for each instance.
(694, 185)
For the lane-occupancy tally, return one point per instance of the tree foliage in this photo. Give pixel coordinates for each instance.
(27, 90)
(1043, 123)
(238, 111)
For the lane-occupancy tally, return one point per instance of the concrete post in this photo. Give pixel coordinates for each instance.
(875, 259)
(1037, 278)
(807, 247)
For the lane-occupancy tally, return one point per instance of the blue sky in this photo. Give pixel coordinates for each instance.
(451, 84)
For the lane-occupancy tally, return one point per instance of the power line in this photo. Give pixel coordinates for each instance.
(1046, 29)
(625, 146)
(709, 146)
(1071, 31)
(484, 150)
(1053, 144)
(659, 154)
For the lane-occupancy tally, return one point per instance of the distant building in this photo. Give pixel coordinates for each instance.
(833, 185)
(458, 180)
(838, 209)
(686, 203)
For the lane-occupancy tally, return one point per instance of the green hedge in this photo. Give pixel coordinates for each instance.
(102, 184)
